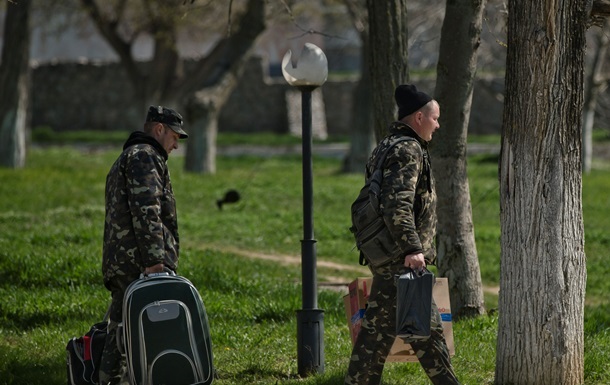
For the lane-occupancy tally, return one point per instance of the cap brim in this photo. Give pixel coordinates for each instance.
(179, 131)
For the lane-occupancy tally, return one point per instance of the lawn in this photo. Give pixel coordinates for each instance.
(244, 261)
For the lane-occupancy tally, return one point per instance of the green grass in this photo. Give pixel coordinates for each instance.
(601, 135)
(46, 134)
(51, 219)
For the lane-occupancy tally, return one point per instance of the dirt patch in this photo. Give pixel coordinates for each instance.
(324, 281)
(295, 260)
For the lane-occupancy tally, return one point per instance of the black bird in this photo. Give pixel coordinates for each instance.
(231, 196)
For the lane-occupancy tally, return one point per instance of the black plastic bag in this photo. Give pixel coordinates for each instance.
(414, 304)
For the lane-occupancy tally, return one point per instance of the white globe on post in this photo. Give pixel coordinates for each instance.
(307, 74)
(311, 68)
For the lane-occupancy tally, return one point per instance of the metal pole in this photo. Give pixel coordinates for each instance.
(308, 244)
(310, 320)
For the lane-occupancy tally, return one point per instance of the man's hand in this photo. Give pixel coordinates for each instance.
(158, 268)
(415, 261)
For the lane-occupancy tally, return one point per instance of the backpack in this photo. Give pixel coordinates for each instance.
(373, 238)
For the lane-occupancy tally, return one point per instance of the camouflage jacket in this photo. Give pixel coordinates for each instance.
(141, 227)
(408, 197)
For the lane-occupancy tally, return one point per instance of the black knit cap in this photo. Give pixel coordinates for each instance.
(409, 99)
(167, 116)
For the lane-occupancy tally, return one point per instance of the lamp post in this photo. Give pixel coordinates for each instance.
(309, 73)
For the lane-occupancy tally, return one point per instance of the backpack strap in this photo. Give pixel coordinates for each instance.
(379, 165)
(425, 161)
(393, 143)
(361, 260)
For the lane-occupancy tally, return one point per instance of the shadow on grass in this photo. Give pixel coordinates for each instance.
(255, 374)
(33, 370)
(333, 379)
(28, 320)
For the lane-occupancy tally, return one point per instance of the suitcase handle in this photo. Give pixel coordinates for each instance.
(167, 273)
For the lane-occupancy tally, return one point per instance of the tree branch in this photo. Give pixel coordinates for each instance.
(357, 12)
(108, 29)
(226, 55)
(600, 8)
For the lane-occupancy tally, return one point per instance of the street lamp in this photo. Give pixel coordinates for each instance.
(309, 73)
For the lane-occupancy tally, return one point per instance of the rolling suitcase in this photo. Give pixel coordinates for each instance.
(165, 334)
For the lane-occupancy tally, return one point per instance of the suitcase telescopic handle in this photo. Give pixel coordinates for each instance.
(168, 272)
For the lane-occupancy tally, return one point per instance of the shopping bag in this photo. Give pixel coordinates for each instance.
(414, 304)
(355, 303)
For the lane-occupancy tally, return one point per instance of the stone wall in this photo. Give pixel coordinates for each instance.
(73, 96)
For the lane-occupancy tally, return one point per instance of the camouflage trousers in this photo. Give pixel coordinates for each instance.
(378, 332)
(113, 370)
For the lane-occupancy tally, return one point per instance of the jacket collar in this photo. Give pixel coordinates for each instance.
(401, 128)
(139, 137)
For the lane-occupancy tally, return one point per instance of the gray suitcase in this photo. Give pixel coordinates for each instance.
(166, 335)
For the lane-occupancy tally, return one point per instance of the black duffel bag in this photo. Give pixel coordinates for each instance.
(84, 355)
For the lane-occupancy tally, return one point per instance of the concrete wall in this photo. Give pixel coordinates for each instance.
(72, 96)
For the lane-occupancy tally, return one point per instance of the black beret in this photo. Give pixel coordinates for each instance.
(167, 116)
(409, 99)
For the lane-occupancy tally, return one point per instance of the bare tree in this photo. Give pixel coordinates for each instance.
(388, 38)
(456, 70)
(200, 89)
(595, 84)
(362, 135)
(220, 74)
(14, 81)
(543, 267)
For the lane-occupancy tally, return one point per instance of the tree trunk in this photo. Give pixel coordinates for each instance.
(362, 135)
(220, 73)
(543, 268)
(456, 70)
(593, 88)
(14, 81)
(388, 53)
(203, 130)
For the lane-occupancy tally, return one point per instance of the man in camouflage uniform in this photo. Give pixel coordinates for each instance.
(141, 228)
(408, 202)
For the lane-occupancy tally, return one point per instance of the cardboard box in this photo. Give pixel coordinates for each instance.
(355, 304)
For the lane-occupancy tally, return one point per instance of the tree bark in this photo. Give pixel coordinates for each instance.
(14, 81)
(388, 53)
(543, 268)
(456, 70)
(362, 135)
